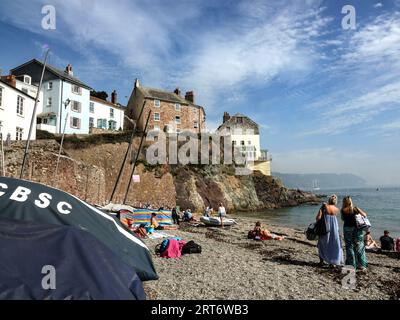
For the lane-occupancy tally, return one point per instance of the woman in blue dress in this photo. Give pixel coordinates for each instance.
(329, 245)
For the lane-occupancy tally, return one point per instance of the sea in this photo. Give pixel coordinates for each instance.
(382, 206)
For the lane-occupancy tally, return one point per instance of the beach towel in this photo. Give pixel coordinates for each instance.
(329, 245)
(174, 249)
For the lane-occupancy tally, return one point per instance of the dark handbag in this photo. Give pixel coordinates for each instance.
(311, 233)
(322, 226)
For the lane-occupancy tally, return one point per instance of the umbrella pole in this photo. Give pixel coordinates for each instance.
(33, 116)
(126, 155)
(137, 157)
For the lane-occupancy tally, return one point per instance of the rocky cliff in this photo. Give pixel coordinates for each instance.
(89, 170)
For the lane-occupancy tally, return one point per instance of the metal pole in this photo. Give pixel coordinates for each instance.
(2, 154)
(33, 115)
(62, 142)
(126, 154)
(136, 159)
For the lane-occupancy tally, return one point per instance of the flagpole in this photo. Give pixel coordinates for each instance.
(33, 116)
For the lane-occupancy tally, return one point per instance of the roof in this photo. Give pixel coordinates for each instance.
(164, 95)
(118, 106)
(20, 91)
(247, 123)
(57, 72)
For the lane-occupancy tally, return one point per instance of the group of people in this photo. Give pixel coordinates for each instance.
(330, 246)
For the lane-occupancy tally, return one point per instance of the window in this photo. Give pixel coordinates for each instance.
(20, 106)
(45, 120)
(234, 143)
(76, 106)
(19, 133)
(178, 120)
(102, 123)
(91, 107)
(50, 85)
(76, 89)
(249, 143)
(25, 90)
(196, 124)
(242, 143)
(112, 125)
(27, 79)
(111, 113)
(91, 122)
(49, 102)
(156, 127)
(177, 106)
(156, 116)
(157, 103)
(1, 96)
(239, 120)
(75, 123)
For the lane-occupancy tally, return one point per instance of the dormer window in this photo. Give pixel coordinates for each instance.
(157, 103)
(27, 79)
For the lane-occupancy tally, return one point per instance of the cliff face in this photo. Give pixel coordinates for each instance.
(89, 171)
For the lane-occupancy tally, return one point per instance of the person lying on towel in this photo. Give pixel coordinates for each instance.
(259, 234)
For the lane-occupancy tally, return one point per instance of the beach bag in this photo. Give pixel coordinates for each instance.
(160, 248)
(322, 226)
(191, 247)
(362, 222)
(311, 233)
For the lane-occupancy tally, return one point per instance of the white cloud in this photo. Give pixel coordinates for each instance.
(378, 5)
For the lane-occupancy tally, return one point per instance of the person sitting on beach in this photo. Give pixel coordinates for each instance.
(370, 244)
(154, 223)
(187, 215)
(387, 242)
(208, 211)
(263, 234)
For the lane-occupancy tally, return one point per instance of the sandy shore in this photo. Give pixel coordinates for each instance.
(233, 267)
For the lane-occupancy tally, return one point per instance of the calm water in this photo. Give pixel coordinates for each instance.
(383, 208)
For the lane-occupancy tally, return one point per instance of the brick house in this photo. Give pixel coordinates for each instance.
(171, 112)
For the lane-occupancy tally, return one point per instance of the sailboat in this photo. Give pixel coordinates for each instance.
(315, 185)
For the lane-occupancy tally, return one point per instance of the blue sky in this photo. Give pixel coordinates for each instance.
(327, 99)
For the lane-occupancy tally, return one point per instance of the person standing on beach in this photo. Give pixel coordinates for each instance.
(175, 217)
(329, 245)
(221, 213)
(353, 237)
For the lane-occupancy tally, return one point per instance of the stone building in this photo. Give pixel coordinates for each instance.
(170, 111)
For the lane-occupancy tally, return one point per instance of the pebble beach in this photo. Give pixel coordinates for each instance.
(234, 267)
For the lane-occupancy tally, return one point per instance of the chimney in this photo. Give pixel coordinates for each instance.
(10, 79)
(68, 70)
(189, 96)
(137, 84)
(177, 91)
(114, 97)
(226, 117)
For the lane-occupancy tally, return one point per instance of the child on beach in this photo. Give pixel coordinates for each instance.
(370, 244)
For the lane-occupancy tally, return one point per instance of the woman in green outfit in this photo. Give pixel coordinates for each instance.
(353, 237)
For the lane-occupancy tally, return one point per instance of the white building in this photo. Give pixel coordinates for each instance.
(59, 88)
(245, 136)
(16, 108)
(106, 115)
